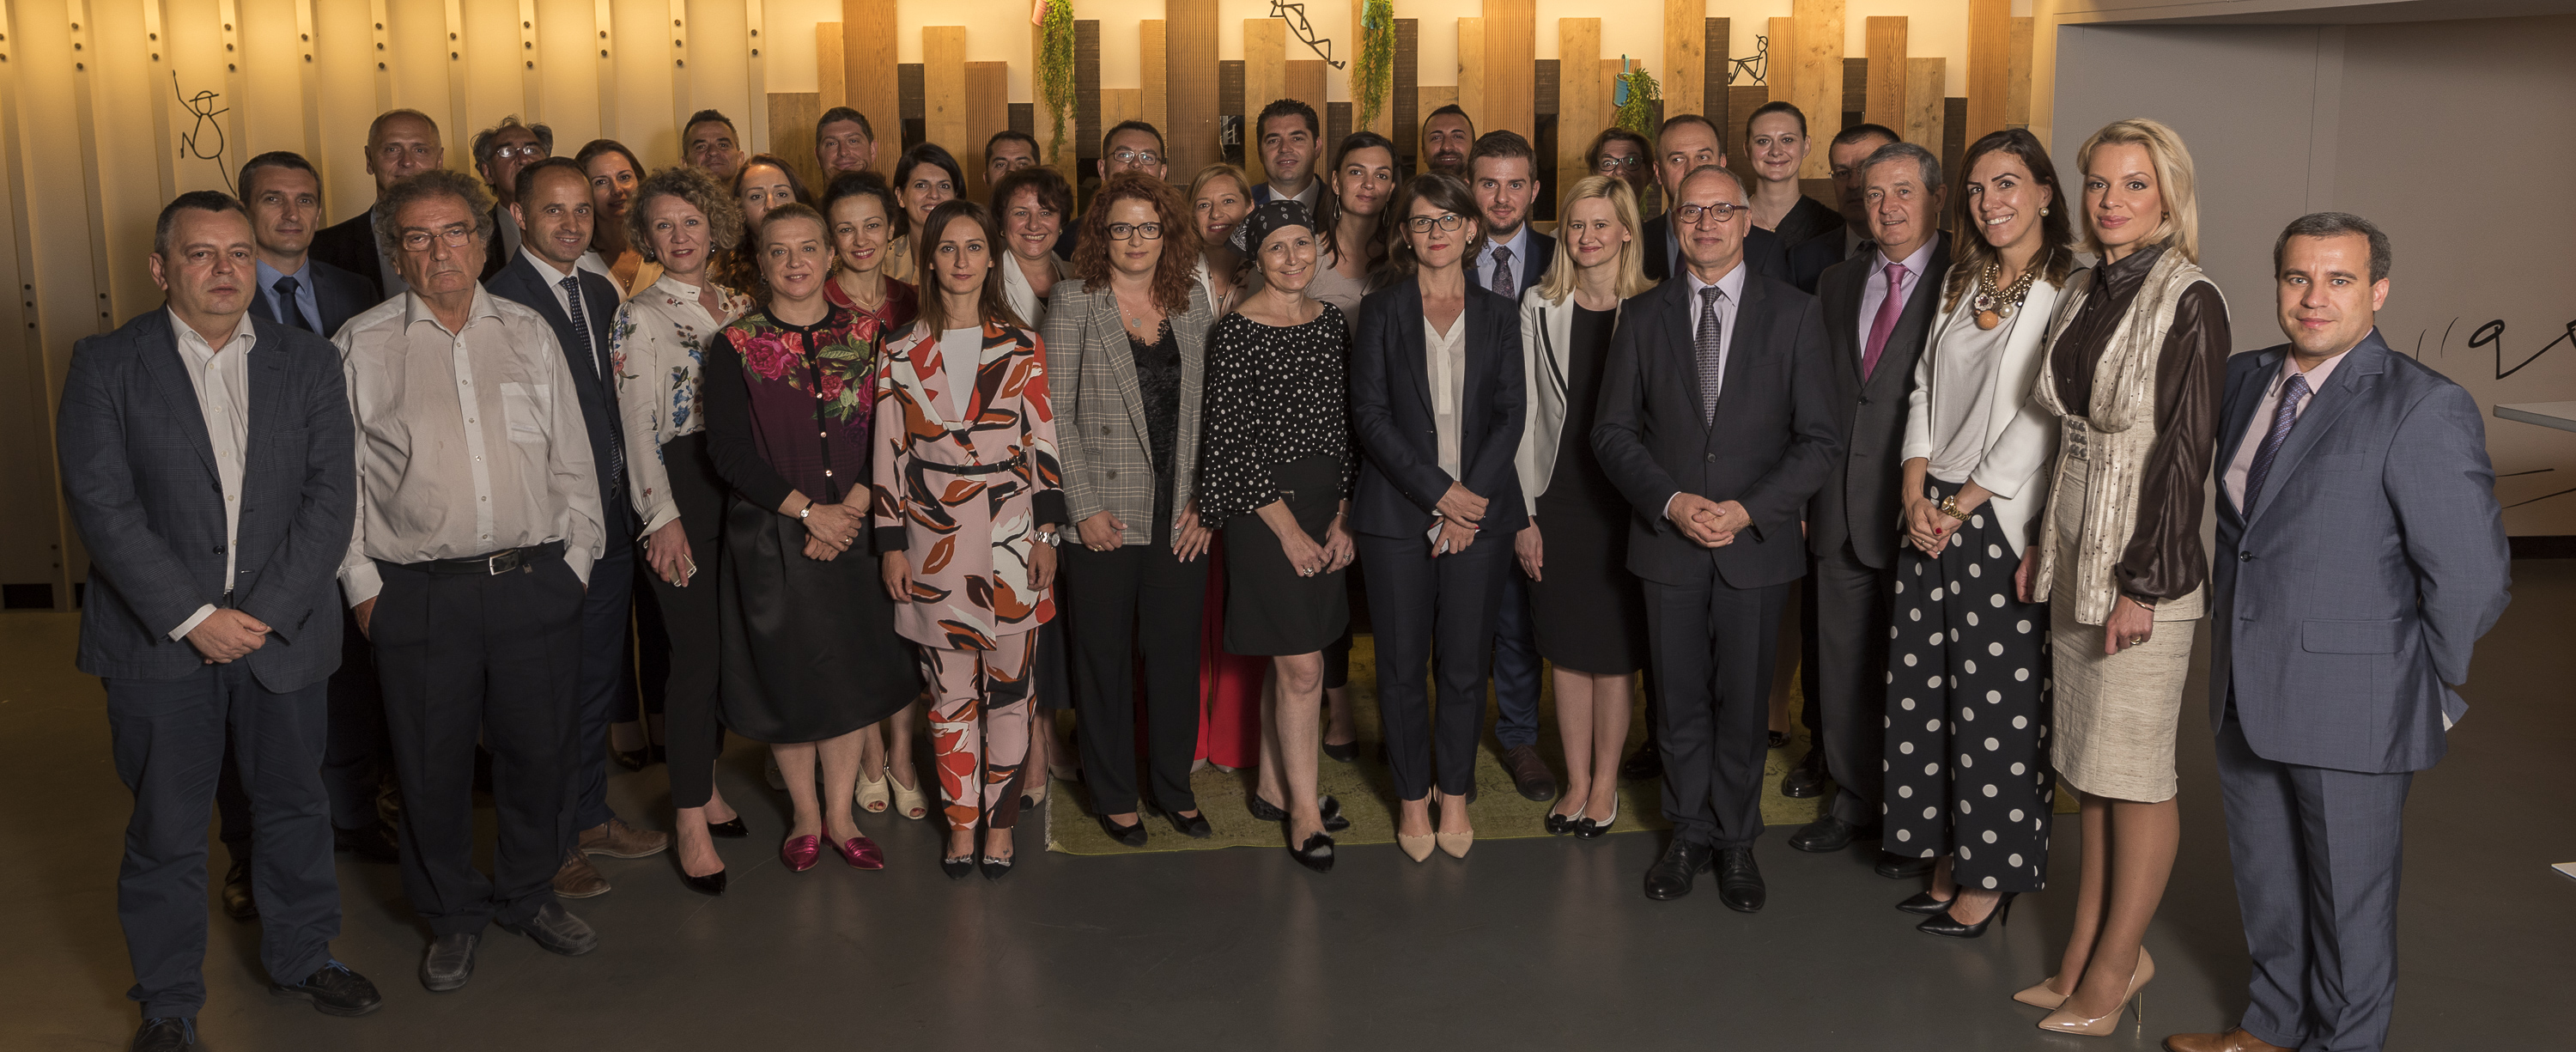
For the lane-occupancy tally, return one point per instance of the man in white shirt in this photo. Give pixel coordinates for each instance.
(1289, 138)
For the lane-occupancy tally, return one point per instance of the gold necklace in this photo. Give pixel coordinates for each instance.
(1993, 307)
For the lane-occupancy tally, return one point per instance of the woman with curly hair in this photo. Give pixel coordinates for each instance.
(1125, 342)
(810, 653)
(681, 219)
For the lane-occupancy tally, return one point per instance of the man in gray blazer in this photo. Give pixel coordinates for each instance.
(2360, 554)
(206, 456)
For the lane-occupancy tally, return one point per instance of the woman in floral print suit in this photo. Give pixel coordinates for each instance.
(968, 504)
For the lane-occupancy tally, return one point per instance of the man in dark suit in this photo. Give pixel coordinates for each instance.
(1717, 423)
(1879, 308)
(2360, 554)
(1844, 153)
(1686, 144)
(1447, 136)
(1502, 173)
(499, 152)
(400, 143)
(554, 207)
(283, 196)
(1289, 140)
(206, 457)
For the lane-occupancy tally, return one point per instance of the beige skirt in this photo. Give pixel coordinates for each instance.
(2113, 725)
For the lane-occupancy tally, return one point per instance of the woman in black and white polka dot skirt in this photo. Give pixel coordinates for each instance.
(1968, 777)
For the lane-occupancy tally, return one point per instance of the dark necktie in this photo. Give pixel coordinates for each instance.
(2283, 418)
(581, 335)
(1889, 310)
(290, 311)
(1503, 272)
(1712, 362)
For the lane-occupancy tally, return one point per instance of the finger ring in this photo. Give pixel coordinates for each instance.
(2137, 640)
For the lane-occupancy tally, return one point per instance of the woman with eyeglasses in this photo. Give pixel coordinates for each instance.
(924, 176)
(762, 183)
(1125, 343)
(614, 176)
(1276, 474)
(1437, 403)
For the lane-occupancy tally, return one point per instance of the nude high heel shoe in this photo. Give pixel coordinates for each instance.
(2041, 996)
(1454, 845)
(2064, 1021)
(1417, 848)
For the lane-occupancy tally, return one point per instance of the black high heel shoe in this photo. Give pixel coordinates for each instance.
(729, 829)
(1943, 924)
(1924, 905)
(711, 884)
(957, 868)
(1194, 827)
(633, 760)
(996, 868)
(1132, 835)
(1315, 854)
(1343, 753)
(1266, 811)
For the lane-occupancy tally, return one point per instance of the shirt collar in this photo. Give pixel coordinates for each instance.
(268, 276)
(546, 268)
(1914, 264)
(1518, 243)
(1730, 284)
(416, 310)
(194, 343)
(2316, 376)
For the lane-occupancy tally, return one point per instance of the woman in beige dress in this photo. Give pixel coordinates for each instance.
(2137, 352)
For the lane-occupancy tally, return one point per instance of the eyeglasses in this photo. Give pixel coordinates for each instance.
(1136, 157)
(1719, 212)
(1124, 231)
(1448, 222)
(529, 152)
(1613, 165)
(453, 237)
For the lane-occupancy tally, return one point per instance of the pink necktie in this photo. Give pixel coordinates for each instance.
(1888, 311)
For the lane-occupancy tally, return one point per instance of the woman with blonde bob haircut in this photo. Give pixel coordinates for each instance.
(2136, 356)
(1590, 616)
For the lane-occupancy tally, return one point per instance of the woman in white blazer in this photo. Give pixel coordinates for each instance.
(1968, 779)
(1588, 611)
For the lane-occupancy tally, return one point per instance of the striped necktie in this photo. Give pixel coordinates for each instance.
(1712, 353)
(2283, 418)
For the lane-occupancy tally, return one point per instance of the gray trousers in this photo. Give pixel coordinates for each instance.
(1851, 619)
(2317, 855)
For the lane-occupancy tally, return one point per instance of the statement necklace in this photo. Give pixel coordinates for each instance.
(1993, 307)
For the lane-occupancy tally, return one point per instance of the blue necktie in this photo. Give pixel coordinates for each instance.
(2283, 418)
(581, 334)
(290, 311)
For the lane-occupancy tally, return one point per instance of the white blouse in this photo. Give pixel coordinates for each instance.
(1971, 414)
(655, 347)
(1445, 364)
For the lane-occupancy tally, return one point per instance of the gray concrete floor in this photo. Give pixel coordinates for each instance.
(1542, 943)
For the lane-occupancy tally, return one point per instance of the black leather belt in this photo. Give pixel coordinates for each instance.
(493, 564)
(973, 469)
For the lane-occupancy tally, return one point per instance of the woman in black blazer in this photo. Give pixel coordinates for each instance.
(1437, 403)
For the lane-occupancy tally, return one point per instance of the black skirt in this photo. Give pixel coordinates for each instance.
(1269, 607)
(810, 650)
(1589, 611)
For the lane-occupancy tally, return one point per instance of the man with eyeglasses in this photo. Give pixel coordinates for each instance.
(1623, 155)
(499, 152)
(400, 144)
(1130, 146)
(1289, 138)
(479, 518)
(1686, 144)
(1717, 424)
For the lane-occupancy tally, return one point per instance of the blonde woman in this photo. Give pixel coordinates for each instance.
(2136, 357)
(1220, 198)
(1590, 616)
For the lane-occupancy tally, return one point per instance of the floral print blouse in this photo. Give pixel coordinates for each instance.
(790, 406)
(656, 347)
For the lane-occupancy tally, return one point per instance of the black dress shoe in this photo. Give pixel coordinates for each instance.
(1671, 875)
(448, 962)
(372, 842)
(1829, 834)
(1343, 753)
(238, 902)
(729, 829)
(1560, 825)
(1194, 827)
(1131, 834)
(1898, 867)
(711, 884)
(1944, 924)
(1739, 881)
(1315, 854)
(1924, 905)
(957, 868)
(1779, 739)
(1330, 808)
(334, 990)
(1806, 780)
(1647, 762)
(164, 1034)
(557, 930)
(633, 760)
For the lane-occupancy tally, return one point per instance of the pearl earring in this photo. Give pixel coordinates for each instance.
(2043, 211)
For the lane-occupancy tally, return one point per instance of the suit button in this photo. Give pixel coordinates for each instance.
(2245, 557)
(1710, 457)
(1113, 474)
(1864, 400)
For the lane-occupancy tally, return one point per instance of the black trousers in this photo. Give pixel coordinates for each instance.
(607, 670)
(499, 657)
(1847, 690)
(689, 623)
(1712, 661)
(1423, 609)
(353, 755)
(169, 737)
(1137, 598)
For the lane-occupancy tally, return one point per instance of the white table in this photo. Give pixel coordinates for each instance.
(2560, 415)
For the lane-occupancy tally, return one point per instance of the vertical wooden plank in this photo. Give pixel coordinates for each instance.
(1924, 79)
(1152, 75)
(1716, 36)
(1686, 56)
(943, 88)
(1742, 100)
(1819, 88)
(1954, 134)
(1855, 94)
(1886, 98)
(1989, 65)
(1337, 124)
(1265, 77)
(1405, 95)
(1582, 108)
(1189, 63)
(791, 133)
(1086, 91)
(2017, 92)
(1121, 104)
(1305, 84)
(1779, 64)
(1471, 72)
(1511, 79)
(868, 77)
(988, 111)
(831, 69)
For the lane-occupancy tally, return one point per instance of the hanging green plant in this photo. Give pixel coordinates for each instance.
(1055, 69)
(1637, 110)
(1373, 72)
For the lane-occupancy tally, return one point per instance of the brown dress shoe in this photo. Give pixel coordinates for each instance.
(1529, 773)
(2235, 1040)
(615, 839)
(578, 879)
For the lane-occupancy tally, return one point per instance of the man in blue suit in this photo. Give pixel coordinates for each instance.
(2360, 554)
(553, 207)
(206, 456)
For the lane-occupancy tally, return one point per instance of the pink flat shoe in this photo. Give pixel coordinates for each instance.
(861, 853)
(800, 852)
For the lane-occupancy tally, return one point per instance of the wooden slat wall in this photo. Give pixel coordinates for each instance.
(943, 95)
(1086, 93)
(1120, 104)
(1189, 64)
(1686, 56)
(988, 111)
(1153, 76)
(1306, 85)
(1780, 70)
(1924, 110)
(1716, 36)
(1471, 72)
(868, 67)
(831, 69)
(1742, 99)
(791, 134)
(1404, 96)
(1582, 104)
(2017, 93)
(1886, 98)
(1265, 77)
(1511, 46)
(1989, 65)
(1819, 87)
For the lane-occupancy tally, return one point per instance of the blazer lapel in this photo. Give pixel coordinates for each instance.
(1676, 316)
(1411, 339)
(161, 357)
(2359, 368)
(1752, 320)
(2236, 416)
(1108, 331)
(1841, 295)
(268, 405)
